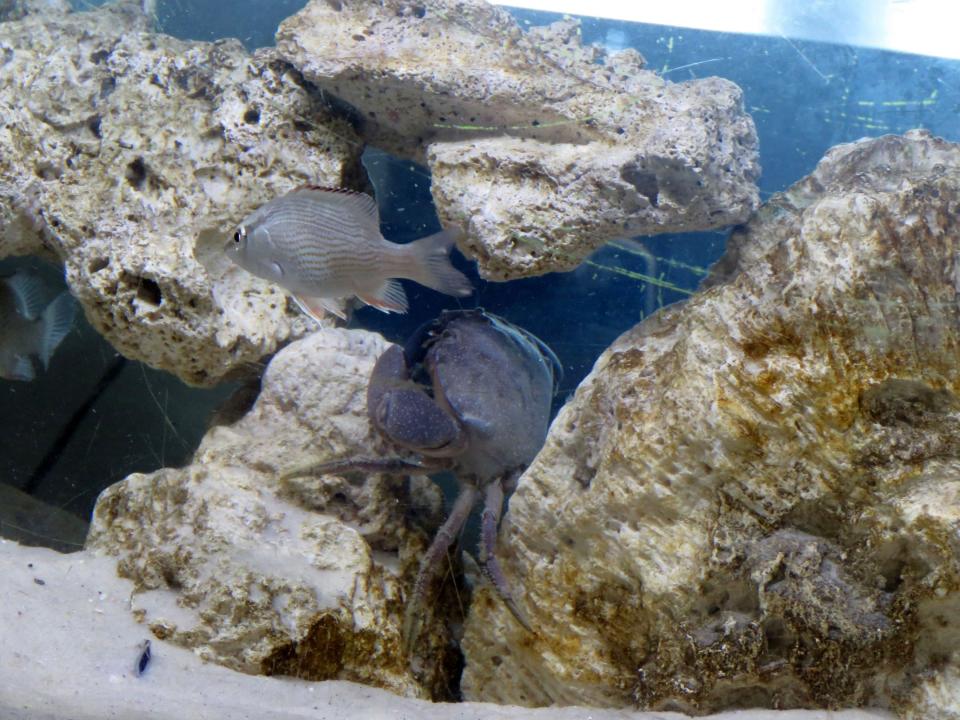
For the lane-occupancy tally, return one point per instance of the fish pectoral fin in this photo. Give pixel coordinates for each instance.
(57, 322)
(28, 293)
(318, 307)
(22, 369)
(389, 297)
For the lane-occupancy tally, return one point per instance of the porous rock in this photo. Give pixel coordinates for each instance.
(752, 500)
(541, 149)
(303, 576)
(129, 156)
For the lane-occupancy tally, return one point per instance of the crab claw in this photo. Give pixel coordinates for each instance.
(412, 420)
(406, 414)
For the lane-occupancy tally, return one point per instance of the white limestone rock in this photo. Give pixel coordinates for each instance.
(752, 500)
(541, 149)
(302, 577)
(129, 156)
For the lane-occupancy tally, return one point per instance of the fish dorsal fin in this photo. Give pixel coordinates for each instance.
(28, 293)
(362, 204)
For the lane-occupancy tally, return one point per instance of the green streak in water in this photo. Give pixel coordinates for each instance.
(640, 276)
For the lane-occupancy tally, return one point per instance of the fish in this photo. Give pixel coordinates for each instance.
(324, 246)
(30, 329)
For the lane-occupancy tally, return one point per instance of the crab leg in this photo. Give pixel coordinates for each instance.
(390, 466)
(492, 505)
(433, 558)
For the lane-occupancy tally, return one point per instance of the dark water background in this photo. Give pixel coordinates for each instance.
(93, 418)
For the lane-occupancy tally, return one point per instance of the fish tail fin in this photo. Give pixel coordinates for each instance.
(55, 323)
(429, 264)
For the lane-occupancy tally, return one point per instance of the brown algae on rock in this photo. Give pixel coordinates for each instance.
(738, 506)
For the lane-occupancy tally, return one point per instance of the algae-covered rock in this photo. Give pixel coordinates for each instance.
(128, 156)
(302, 577)
(753, 499)
(540, 148)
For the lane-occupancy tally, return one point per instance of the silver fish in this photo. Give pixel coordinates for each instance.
(30, 332)
(325, 245)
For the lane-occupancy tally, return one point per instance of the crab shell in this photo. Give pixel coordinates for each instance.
(469, 391)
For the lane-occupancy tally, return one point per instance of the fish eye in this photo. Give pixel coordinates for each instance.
(239, 235)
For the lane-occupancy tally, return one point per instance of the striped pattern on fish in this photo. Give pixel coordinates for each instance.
(324, 244)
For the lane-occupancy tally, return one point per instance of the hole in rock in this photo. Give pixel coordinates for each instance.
(645, 182)
(170, 577)
(46, 170)
(136, 173)
(107, 86)
(727, 594)
(252, 116)
(899, 401)
(149, 292)
(898, 567)
(778, 637)
(822, 517)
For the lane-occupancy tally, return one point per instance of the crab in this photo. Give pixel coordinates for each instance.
(471, 393)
